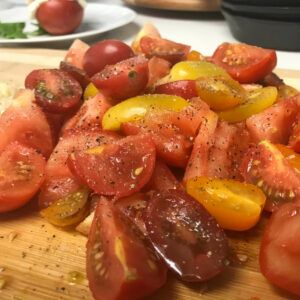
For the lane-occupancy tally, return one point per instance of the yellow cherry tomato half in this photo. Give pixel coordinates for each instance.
(235, 205)
(90, 91)
(219, 92)
(195, 56)
(290, 155)
(191, 70)
(136, 108)
(286, 91)
(69, 210)
(255, 102)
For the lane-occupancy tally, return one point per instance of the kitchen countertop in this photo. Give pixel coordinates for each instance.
(203, 31)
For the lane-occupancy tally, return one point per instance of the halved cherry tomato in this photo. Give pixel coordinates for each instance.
(22, 171)
(106, 52)
(123, 80)
(158, 68)
(25, 123)
(162, 48)
(245, 63)
(235, 205)
(89, 115)
(285, 92)
(256, 101)
(136, 108)
(195, 55)
(69, 210)
(59, 16)
(265, 166)
(185, 235)
(279, 256)
(182, 88)
(55, 90)
(220, 93)
(192, 70)
(121, 168)
(120, 266)
(274, 123)
(78, 74)
(76, 53)
(90, 91)
(271, 79)
(290, 155)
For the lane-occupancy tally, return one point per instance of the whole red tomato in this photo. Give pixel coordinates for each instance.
(59, 16)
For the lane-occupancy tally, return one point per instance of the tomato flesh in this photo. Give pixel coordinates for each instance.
(55, 90)
(123, 80)
(76, 53)
(279, 256)
(245, 63)
(120, 169)
(265, 166)
(185, 235)
(22, 171)
(235, 205)
(119, 264)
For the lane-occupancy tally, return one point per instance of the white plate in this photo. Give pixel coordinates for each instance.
(98, 18)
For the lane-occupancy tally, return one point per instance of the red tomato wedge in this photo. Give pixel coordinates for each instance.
(183, 88)
(162, 48)
(245, 63)
(274, 123)
(22, 172)
(76, 53)
(103, 53)
(265, 166)
(185, 235)
(55, 90)
(90, 113)
(27, 124)
(119, 264)
(123, 80)
(279, 256)
(158, 68)
(120, 169)
(59, 180)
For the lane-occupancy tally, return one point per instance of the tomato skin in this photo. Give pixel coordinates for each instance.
(182, 88)
(162, 48)
(274, 123)
(119, 169)
(158, 68)
(123, 80)
(26, 124)
(103, 53)
(76, 53)
(194, 252)
(24, 171)
(110, 274)
(78, 74)
(265, 166)
(279, 256)
(245, 63)
(59, 17)
(55, 90)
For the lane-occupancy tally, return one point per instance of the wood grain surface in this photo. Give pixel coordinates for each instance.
(37, 258)
(182, 5)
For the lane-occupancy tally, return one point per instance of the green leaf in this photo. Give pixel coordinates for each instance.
(39, 31)
(12, 30)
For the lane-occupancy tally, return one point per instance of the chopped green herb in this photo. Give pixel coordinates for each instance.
(12, 30)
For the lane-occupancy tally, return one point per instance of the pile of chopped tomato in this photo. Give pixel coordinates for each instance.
(167, 149)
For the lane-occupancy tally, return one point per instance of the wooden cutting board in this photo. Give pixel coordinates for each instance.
(180, 5)
(36, 258)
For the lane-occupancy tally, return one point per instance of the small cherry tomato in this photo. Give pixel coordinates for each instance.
(245, 63)
(255, 102)
(103, 53)
(136, 108)
(55, 90)
(59, 16)
(235, 205)
(195, 56)
(90, 91)
(22, 171)
(121, 168)
(123, 80)
(185, 235)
